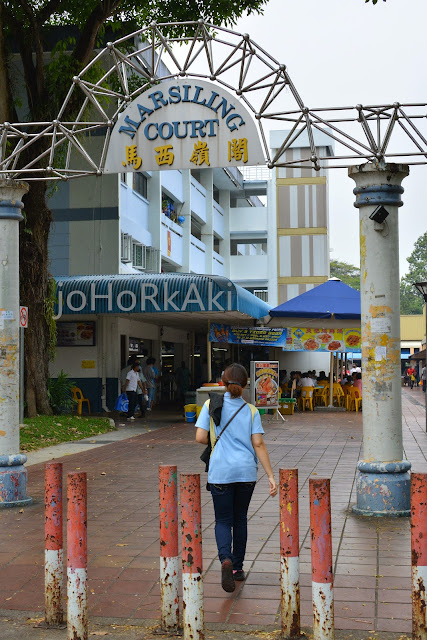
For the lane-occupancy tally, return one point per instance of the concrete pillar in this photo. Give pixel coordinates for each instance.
(155, 213)
(186, 228)
(13, 475)
(224, 244)
(206, 180)
(383, 480)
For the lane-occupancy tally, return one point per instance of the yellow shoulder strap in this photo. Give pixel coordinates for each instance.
(253, 410)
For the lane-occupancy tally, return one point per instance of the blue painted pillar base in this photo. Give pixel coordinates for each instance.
(383, 489)
(13, 481)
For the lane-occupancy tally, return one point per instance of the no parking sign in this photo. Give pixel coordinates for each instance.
(23, 317)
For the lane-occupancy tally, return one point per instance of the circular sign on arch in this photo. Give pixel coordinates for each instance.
(184, 124)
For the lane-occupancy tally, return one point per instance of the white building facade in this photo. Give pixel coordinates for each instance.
(264, 230)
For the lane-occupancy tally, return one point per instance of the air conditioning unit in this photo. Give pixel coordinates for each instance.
(139, 255)
(126, 248)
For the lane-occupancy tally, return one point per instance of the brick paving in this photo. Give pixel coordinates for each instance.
(371, 556)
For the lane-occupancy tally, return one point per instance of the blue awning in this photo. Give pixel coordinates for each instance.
(330, 299)
(155, 293)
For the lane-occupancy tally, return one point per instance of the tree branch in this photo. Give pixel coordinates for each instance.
(87, 40)
(38, 46)
(4, 75)
(48, 10)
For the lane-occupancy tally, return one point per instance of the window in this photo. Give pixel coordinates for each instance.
(126, 248)
(123, 177)
(138, 255)
(216, 244)
(140, 184)
(262, 294)
(248, 247)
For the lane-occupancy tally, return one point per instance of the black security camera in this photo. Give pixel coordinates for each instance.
(379, 214)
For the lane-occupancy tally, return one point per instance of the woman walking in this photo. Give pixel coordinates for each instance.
(233, 470)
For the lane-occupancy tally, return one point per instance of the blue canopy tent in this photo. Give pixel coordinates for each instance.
(333, 302)
(332, 299)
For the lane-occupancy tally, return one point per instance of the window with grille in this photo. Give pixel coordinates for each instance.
(126, 248)
(140, 184)
(138, 255)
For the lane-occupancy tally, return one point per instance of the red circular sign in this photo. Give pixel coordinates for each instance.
(23, 317)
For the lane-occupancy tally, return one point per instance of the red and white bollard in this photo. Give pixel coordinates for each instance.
(419, 554)
(289, 553)
(169, 557)
(192, 563)
(53, 555)
(321, 559)
(77, 619)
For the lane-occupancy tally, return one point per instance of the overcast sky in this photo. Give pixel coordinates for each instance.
(346, 52)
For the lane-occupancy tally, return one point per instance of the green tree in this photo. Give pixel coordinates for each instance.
(411, 301)
(348, 273)
(39, 83)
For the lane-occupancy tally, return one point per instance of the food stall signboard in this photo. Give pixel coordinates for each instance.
(323, 340)
(75, 334)
(265, 384)
(263, 336)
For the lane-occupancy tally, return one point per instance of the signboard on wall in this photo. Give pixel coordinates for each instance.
(184, 124)
(323, 340)
(75, 334)
(265, 384)
(263, 336)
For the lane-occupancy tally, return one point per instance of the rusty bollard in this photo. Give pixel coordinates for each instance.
(77, 619)
(169, 558)
(419, 554)
(321, 559)
(53, 555)
(289, 553)
(192, 565)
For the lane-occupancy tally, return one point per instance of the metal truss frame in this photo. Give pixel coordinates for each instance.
(126, 68)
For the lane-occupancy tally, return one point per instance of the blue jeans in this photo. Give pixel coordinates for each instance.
(231, 504)
(151, 392)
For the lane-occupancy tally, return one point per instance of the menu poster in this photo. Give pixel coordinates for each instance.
(265, 384)
(75, 334)
(353, 339)
(323, 340)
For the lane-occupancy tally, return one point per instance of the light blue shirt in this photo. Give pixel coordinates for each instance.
(233, 459)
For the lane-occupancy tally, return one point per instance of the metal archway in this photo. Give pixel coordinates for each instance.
(129, 66)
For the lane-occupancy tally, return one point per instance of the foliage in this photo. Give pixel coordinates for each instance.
(59, 393)
(348, 273)
(45, 431)
(411, 301)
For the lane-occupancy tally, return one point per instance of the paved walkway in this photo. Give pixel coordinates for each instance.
(371, 556)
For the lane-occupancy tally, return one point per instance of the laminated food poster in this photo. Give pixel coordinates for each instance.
(329, 340)
(265, 384)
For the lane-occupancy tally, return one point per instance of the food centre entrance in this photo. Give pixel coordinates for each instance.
(149, 105)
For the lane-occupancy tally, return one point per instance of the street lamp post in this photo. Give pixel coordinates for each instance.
(422, 288)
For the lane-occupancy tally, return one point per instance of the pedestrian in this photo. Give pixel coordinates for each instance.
(183, 379)
(411, 374)
(233, 470)
(133, 381)
(125, 371)
(424, 377)
(150, 374)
